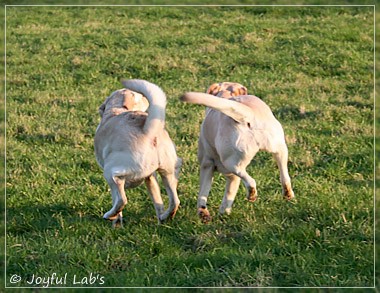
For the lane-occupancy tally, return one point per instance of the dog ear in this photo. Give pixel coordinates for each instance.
(240, 91)
(144, 104)
(214, 89)
(129, 100)
(101, 109)
(236, 89)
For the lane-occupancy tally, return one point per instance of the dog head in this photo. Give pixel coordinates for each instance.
(227, 89)
(122, 101)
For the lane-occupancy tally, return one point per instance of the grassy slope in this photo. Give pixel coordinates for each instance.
(313, 66)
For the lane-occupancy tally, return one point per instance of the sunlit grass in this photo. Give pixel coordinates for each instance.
(313, 66)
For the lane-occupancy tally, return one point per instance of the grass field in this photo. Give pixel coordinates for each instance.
(312, 65)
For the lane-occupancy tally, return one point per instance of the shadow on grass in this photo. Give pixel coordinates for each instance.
(295, 113)
(38, 218)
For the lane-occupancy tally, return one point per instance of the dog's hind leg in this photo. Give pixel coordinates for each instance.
(239, 170)
(281, 157)
(232, 186)
(155, 195)
(119, 200)
(206, 176)
(170, 182)
(250, 184)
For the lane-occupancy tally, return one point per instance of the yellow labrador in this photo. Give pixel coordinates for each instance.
(233, 131)
(130, 146)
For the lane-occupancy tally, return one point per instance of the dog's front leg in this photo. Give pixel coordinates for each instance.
(155, 195)
(232, 186)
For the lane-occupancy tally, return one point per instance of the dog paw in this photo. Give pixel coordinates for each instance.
(117, 223)
(117, 220)
(288, 194)
(106, 216)
(252, 195)
(204, 215)
(172, 214)
(110, 216)
(165, 217)
(224, 211)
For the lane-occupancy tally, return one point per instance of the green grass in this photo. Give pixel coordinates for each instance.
(312, 65)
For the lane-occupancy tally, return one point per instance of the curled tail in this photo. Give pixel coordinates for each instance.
(235, 110)
(157, 103)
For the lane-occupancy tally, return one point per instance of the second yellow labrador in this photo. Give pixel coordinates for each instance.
(227, 89)
(234, 130)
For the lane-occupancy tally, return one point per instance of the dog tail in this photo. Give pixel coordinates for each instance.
(157, 103)
(233, 109)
